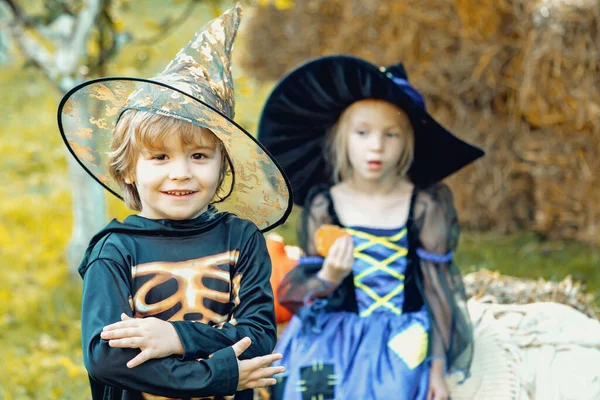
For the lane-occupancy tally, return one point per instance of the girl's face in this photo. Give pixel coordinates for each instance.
(178, 180)
(377, 134)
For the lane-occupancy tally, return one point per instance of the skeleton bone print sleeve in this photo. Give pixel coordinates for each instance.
(253, 314)
(106, 294)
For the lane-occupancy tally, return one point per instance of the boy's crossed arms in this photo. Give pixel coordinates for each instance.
(158, 339)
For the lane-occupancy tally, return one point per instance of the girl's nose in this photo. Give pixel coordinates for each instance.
(376, 142)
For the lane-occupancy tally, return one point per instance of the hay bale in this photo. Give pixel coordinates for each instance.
(558, 67)
(563, 165)
(443, 55)
(496, 192)
(452, 57)
(518, 77)
(510, 290)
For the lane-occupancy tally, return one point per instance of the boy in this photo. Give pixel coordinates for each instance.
(174, 152)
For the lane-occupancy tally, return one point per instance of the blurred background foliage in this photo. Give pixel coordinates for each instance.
(39, 303)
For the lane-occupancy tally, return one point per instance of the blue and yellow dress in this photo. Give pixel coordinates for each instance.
(366, 355)
(372, 337)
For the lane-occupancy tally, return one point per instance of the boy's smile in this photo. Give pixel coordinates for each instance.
(179, 193)
(178, 180)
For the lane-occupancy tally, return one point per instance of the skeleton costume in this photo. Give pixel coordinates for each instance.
(403, 304)
(208, 276)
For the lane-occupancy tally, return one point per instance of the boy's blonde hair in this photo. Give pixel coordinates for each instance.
(138, 130)
(336, 143)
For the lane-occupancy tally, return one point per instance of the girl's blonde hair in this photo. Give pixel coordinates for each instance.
(336, 143)
(143, 130)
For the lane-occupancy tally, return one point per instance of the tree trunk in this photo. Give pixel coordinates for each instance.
(89, 212)
(89, 205)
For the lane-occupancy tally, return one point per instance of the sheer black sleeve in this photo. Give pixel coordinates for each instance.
(301, 285)
(441, 283)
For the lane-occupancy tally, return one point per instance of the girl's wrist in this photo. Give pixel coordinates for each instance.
(438, 365)
(328, 277)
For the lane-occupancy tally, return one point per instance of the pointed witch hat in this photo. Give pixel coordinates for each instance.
(308, 101)
(196, 87)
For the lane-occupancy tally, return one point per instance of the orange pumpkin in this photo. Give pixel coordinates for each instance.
(283, 259)
(325, 236)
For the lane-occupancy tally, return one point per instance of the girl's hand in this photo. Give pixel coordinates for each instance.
(338, 263)
(154, 337)
(438, 390)
(255, 373)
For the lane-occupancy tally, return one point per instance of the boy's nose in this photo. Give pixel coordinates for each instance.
(180, 170)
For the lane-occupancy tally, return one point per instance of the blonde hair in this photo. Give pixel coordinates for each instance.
(138, 130)
(336, 143)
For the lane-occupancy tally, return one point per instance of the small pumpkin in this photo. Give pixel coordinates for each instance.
(283, 259)
(325, 236)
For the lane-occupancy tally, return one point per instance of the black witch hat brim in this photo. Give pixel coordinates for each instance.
(306, 103)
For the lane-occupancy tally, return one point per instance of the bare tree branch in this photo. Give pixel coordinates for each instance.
(18, 13)
(61, 68)
(70, 51)
(106, 28)
(172, 24)
(28, 23)
(33, 50)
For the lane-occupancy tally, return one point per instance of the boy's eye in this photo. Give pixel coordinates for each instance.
(159, 157)
(361, 132)
(198, 156)
(392, 134)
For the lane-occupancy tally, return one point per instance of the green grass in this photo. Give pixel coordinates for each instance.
(525, 255)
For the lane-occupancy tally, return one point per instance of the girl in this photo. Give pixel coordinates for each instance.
(383, 313)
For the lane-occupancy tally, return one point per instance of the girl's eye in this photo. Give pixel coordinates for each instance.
(361, 133)
(392, 134)
(198, 156)
(159, 157)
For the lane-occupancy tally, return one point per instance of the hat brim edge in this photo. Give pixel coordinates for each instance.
(76, 88)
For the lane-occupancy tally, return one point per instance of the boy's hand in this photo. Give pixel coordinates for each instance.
(255, 373)
(154, 337)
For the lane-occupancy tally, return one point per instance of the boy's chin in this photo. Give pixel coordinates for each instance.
(183, 216)
(175, 215)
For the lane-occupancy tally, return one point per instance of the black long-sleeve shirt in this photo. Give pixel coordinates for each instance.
(209, 276)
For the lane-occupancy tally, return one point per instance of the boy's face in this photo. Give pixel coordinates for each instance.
(179, 180)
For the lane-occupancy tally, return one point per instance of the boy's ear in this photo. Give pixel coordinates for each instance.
(225, 162)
